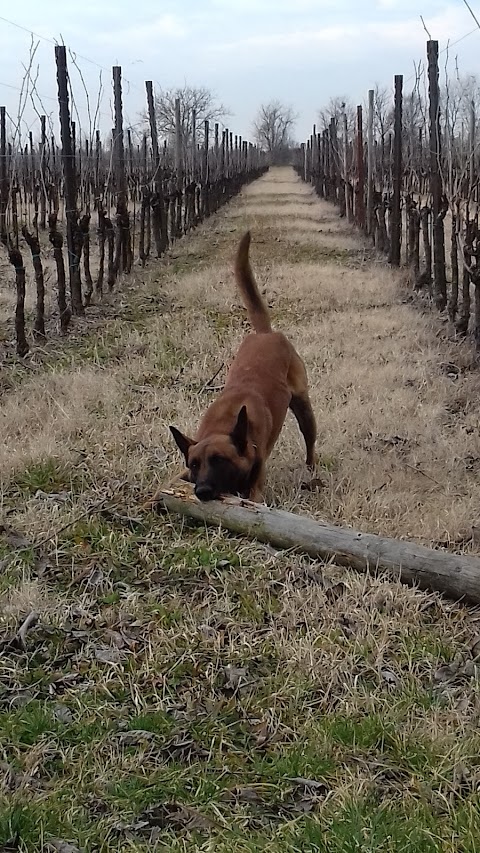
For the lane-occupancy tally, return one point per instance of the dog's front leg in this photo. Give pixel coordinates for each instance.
(257, 488)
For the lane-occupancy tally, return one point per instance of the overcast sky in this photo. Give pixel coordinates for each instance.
(301, 52)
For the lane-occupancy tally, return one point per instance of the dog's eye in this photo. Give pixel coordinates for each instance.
(194, 466)
(215, 459)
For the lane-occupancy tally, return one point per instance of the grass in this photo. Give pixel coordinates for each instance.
(183, 689)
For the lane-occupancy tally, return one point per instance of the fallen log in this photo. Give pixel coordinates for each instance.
(458, 576)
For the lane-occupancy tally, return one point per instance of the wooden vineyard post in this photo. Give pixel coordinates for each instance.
(205, 175)
(360, 194)
(98, 178)
(464, 318)
(159, 218)
(43, 173)
(216, 164)
(194, 144)
(453, 301)
(370, 164)
(468, 247)
(426, 275)
(222, 168)
(225, 158)
(413, 238)
(321, 177)
(179, 166)
(439, 272)
(396, 213)
(313, 146)
(145, 205)
(323, 164)
(334, 160)
(473, 227)
(3, 175)
(33, 182)
(71, 214)
(123, 246)
(348, 204)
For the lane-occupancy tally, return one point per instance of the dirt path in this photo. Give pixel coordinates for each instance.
(170, 665)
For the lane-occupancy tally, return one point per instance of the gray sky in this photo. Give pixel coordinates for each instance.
(301, 52)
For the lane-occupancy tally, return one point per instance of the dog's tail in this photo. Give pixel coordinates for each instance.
(256, 308)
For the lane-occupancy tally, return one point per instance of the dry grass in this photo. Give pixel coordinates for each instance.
(171, 665)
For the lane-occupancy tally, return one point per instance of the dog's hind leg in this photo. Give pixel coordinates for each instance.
(302, 409)
(301, 406)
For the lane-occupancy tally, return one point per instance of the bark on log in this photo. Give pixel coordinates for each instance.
(456, 576)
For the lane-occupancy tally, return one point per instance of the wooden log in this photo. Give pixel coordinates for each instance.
(456, 576)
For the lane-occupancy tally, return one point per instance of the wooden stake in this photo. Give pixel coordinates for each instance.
(360, 195)
(71, 213)
(439, 271)
(370, 163)
(396, 212)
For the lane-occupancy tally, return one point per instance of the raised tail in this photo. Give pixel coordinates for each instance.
(256, 308)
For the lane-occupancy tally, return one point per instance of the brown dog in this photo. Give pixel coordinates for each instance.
(238, 431)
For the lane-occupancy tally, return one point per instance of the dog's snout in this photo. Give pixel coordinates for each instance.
(204, 492)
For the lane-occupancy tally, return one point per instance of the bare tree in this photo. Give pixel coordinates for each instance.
(336, 108)
(196, 99)
(382, 112)
(273, 129)
(459, 97)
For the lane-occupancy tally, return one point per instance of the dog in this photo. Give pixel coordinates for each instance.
(239, 429)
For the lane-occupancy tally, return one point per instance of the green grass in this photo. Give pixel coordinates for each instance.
(48, 476)
(164, 725)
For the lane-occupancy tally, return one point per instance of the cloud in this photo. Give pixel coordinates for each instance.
(279, 7)
(165, 26)
(298, 38)
(359, 37)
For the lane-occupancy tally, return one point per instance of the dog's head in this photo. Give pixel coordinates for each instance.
(219, 464)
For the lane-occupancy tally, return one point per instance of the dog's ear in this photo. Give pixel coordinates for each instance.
(239, 433)
(182, 441)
